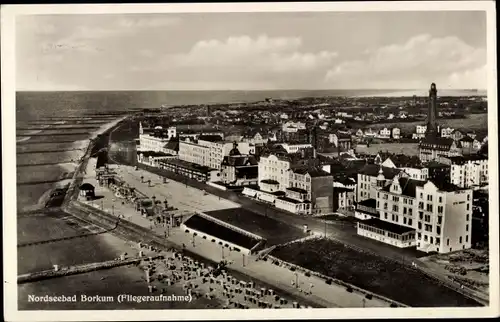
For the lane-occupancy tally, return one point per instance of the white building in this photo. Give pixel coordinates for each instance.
(293, 148)
(155, 140)
(293, 126)
(396, 133)
(274, 168)
(385, 133)
(446, 132)
(210, 150)
(469, 171)
(367, 180)
(433, 216)
(420, 132)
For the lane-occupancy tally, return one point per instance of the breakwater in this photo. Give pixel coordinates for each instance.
(79, 269)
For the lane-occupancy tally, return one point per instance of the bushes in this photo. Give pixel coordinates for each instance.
(329, 282)
(349, 289)
(369, 296)
(204, 237)
(307, 274)
(187, 230)
(213, 240)
(394, 305)
(292, 268)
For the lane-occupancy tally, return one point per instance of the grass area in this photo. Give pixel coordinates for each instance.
(405, 148)
(274, 231)
(371, 272)
(472, 122)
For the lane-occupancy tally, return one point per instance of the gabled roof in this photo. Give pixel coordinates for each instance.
(408, 186)
(373, 169)
(443, 185)
(172, 145)
(467, 139)
(436, 143)
(312, 171)
(239, 160)
(405, 161)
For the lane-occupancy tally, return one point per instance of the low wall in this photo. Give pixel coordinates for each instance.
(334, 280)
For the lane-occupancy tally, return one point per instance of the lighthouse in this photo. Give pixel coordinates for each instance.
(432, 112)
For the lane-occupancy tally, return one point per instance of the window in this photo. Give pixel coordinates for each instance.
(438, 240)
(410, 221)
(460, 240)
(468, 197)
(429, 197)
(440, 199)
(385, 215)
(466, 227)
(440, 209)
(432, 240)
(395, 208)
(385, 205)
(429, 207)
(468, 206)
(467, 238)
(404, 201)
(419, 236)
(420, 215)
(421, 195)
(438, 230)
(378, 204)
(467, 217)
(404, 210)
(448, 243)
(419, 225)
(410, 211)
(420, 205)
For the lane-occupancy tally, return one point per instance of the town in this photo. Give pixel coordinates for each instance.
(280, 186)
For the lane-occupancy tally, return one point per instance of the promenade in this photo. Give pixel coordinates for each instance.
(192, 199)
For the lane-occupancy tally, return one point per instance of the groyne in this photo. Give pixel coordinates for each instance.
(79, 269)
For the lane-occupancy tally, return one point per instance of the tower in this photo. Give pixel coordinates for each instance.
(432, 111)
(380, 178)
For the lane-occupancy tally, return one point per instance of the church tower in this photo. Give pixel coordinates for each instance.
(141, 130)
(432, 112)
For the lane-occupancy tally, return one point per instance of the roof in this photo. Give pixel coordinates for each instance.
(210, 138)
(188, 165)
(269, 181)
(371, 203)
(295, 189)
(173, 144)
(467, 139)
(341, 190)
(387, 226)
(408, 186)
(436, 143)
(405, 161)
(443, 185)
(312, 171)
(372, 170)
(87, 186)
(435, 164)
(214, 229)
(466, 158)
(239, 160)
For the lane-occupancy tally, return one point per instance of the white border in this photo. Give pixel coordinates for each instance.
(8, 14)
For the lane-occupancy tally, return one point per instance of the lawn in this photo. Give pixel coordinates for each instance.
(405, 148)
(274, 231)
(472, 122)
(371, 272)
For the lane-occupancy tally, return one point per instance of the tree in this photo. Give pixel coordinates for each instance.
(149, 182)
(142, 179)
(165, 202)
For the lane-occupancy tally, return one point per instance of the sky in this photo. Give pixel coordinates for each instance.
(252, 51)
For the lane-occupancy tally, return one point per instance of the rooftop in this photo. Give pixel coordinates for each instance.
(153, 154)
(312, 171)
(438, 143)
(292, 200)
(370, 203)
(210, 138)
(240, 160)
(408, 186)
(295, 189)
(387, 226)
(466, 158)
(443, 185)
(269, 181)
(188, 165)
(372, 170)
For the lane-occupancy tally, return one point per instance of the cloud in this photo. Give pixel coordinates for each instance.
(148, 22)
(260, 54)
(418, 62)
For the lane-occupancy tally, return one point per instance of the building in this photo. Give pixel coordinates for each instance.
(467, 144)
(156, 139)
(343, 199)
(295, 147)
(434, 216)
(190, 170)
(240, 170)
(274, 167)
(367, 180)
(210, 150)
(469, 171)
(438, 149)
(457, 135)
(341, 141)
(152, 158)
(411, 165)
(446, 132)
(293, 126)
(318, 185)
(396, 133)
(420, 131)
(385, 133)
